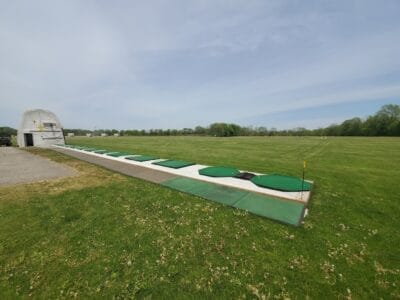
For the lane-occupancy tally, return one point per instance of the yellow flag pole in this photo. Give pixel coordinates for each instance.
(302, 183)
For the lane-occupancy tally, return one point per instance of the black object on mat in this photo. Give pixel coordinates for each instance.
(245, 175)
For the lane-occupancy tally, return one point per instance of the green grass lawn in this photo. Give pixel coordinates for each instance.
(102, 234)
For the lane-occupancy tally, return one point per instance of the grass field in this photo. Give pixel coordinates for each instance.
(102, 234)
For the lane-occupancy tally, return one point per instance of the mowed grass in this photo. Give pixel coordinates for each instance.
(101, 234)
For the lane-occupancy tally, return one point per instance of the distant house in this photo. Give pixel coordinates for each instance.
(88, 134)
(39, 128)
(116, 134)
(69, 134)
(104, 134)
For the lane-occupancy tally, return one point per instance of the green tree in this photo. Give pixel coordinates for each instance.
(7, 131)
(392, 111)
(352, 127)
(200, 130)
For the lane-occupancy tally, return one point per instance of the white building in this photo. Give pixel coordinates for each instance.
(39, 128)
(70, 134)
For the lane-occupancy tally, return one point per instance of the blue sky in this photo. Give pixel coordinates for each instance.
(175, 64)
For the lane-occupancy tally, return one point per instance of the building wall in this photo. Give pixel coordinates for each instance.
(44, 126)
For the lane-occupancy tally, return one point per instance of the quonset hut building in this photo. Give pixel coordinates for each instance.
(40, 128)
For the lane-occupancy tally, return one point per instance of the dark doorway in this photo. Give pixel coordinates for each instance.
(28, 139)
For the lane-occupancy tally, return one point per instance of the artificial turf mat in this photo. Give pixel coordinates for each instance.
(176, 164)
(141, 158)
(217, 193)
(101, 151)
(219, 171)
(90, 149)
(282, 183)
(94, 149)
(118, 154)
(284, 211)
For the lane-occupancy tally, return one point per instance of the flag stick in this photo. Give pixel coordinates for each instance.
(302, 182)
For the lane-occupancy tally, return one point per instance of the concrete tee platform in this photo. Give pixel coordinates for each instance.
(120, 167)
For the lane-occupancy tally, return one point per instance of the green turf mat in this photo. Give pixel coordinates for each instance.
(118, 154)
(101, 151)
(110, 152)
(84, 148)
(142, 158)
(276, 209)
(281, 183)
(176, 164)
(281, 210)
(219, 171)
(217, 193)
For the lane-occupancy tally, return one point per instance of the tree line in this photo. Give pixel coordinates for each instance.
(385, 122)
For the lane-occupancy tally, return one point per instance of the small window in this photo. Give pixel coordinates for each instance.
(49, 125)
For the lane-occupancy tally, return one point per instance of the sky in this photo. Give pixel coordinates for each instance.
(174, 64)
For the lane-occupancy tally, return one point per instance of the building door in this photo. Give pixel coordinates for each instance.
(28, 139)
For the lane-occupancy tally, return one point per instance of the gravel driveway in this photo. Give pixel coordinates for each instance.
(18, 166)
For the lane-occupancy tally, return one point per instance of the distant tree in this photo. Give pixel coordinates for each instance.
(391, 114)
(392, 111)
(187, 131)
(77, 132)
(377, 125)
(386, 122)
(247, 131)
(235, 129)
(217, 129)
(200, 130)
(7, 131)
(352, 127)
(224, 129)
(273, 131)
(332, 130)
(262, 131)
(318, 132)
